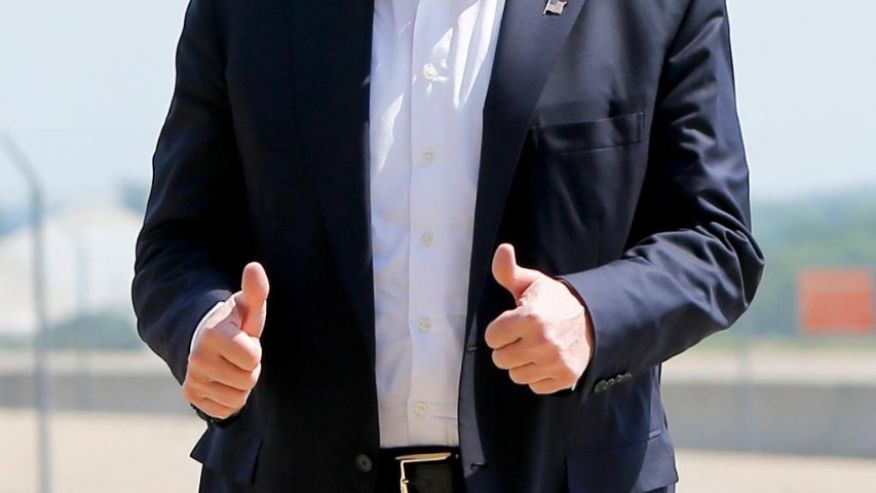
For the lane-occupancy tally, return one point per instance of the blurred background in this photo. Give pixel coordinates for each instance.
(783, 402)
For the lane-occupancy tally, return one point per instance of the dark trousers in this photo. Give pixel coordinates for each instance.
(387, 483)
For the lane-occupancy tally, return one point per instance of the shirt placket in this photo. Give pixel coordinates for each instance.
(427, 246)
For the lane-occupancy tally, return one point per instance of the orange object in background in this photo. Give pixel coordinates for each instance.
(837, 301)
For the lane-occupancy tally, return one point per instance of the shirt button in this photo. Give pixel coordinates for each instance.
(421, 408)
(430, 72)
(364, 463)
(429, 156)
(427, 238)
(424, 324)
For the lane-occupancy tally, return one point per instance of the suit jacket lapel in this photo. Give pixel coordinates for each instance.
(527, 48)
(333, 46)
(336, 49)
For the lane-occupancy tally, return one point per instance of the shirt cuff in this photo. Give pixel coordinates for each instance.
(200, 326)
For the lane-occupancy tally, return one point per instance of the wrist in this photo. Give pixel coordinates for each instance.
(203, 323)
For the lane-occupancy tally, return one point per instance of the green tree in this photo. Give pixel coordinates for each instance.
(834, 231)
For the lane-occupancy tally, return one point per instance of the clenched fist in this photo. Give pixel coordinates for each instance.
(546, 342)
(226, 356)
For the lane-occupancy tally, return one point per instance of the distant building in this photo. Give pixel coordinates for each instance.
(89, 266)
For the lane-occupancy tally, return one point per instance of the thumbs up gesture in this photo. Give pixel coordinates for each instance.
(546, 342)
(225, 360)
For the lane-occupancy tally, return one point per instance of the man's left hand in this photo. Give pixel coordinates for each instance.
(547, 341)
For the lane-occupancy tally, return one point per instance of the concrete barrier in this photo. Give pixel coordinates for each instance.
(775, 417)
(719, 411)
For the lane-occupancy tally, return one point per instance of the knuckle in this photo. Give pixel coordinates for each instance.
(542, 340)
(541, 389)
(497, 359)
(571, 373)
(516, 377)
(208, 335)
(552, 356)
(187, 393)
(554, 345)
(565, 377)
(240, 399)
(541, 323)
(490, 335)
(196, 360)
(250, 351)
(252, 358)
(252, 378)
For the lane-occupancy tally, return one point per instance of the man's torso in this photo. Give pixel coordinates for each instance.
(563, 155)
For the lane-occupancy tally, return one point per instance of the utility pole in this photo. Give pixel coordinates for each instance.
(80, 297)
(41, 375)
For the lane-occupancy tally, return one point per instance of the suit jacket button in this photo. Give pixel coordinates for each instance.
(364, 463)
(600, 386)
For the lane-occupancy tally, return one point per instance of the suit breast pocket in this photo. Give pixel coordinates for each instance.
(589, 135)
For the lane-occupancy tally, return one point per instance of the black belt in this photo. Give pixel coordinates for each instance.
(419, 470)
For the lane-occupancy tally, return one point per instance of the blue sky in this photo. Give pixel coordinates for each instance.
(85, 86)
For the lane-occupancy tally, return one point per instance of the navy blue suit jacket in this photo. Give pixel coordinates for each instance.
(612, 157)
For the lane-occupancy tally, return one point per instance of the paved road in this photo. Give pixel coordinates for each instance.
(109, 453)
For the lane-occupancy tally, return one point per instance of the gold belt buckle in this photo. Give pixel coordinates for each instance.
(414, 458)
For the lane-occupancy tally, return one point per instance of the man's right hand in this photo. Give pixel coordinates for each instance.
(226, 356)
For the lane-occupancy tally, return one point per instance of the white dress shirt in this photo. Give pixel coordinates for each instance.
(431, 64)
(430, 68)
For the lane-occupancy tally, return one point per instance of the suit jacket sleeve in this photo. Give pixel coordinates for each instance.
(691, 267)
(190, 250)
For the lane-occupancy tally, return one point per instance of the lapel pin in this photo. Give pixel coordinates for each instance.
(554, 7)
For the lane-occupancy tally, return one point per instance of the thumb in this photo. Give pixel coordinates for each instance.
(253, 298)
(508, 274)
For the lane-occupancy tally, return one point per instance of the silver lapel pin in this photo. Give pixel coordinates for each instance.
(554, 7)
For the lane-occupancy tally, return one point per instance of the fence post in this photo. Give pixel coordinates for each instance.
(41, 375)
